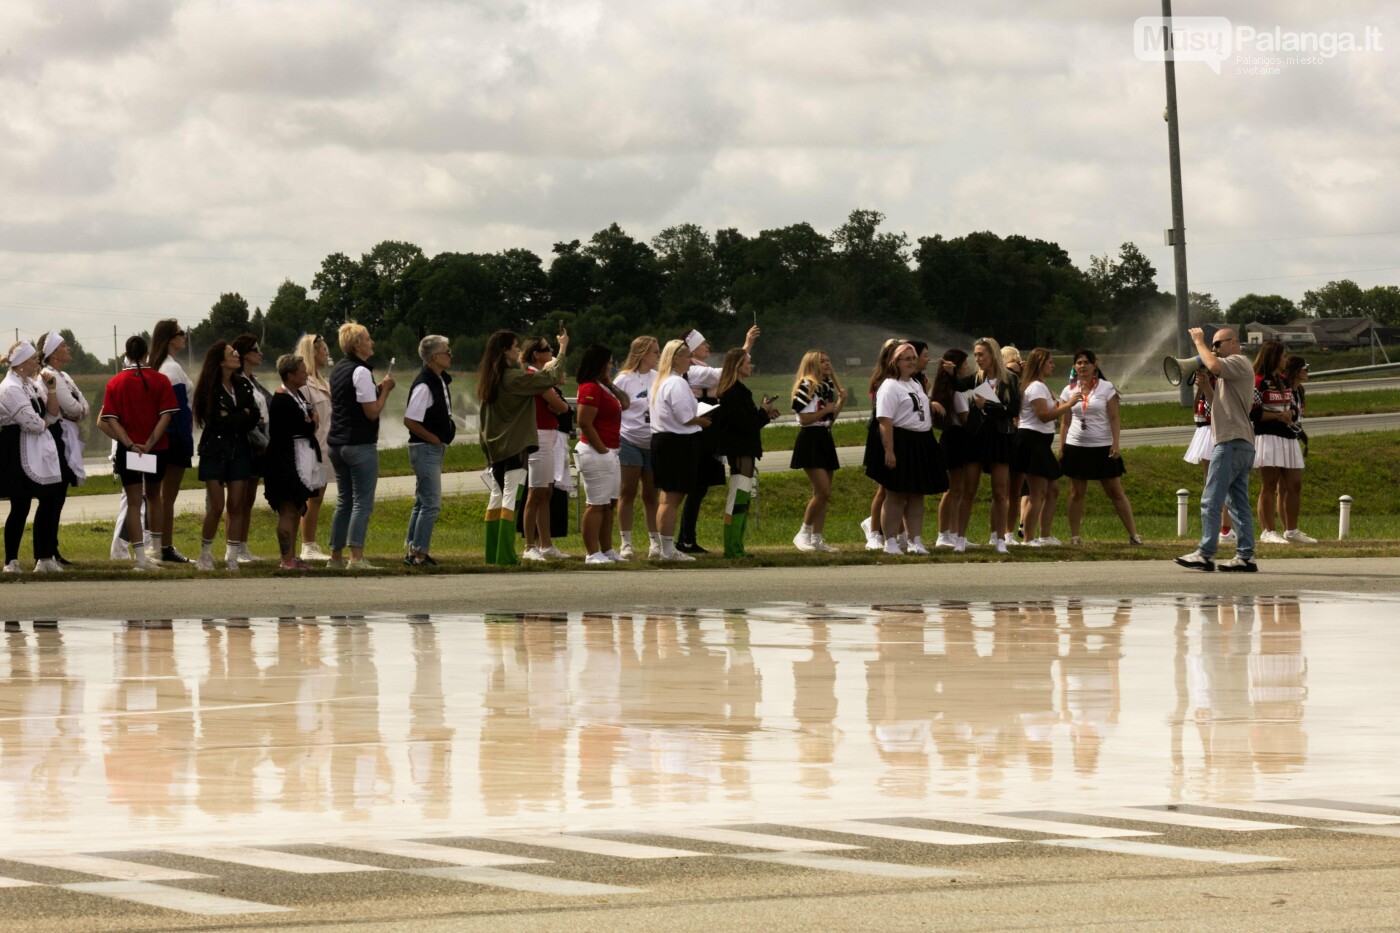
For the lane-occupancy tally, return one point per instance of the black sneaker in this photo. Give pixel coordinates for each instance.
(1238, 564)
(168, 555)
(1196, 561)
(63, 561)
(691, 547)
(428, 559)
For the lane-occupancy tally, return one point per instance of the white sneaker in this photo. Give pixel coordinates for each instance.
(1297, 537)
(994, 539)
(875, 541)
(917, 547)
(152, 553)
(553, 553)
(1272, 537)
(959, 545)
(1001, 548)
(803, 541)
(1228, 535)
(598, 558)
(945, 539)
(230, 559)
(48, 565)
(615, 557)
(820, 544)
(654, 551)
(1051, 541)
(1036, 542)
(675, 555)
(145, 564)
(903, 540)
(865, 528)
(625, 552)
(962, 539)
(533, 553)
(892, 547)
(312, 551)
(13, 567)
(246, 556)
(206, 562)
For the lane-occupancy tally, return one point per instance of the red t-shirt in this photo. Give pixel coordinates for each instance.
(608, 422)
(138, 405)
(545, 420)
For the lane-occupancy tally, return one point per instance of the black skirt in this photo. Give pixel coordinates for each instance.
(1035, 456)
(815, 450)
(918, 465)
(14, 482)
(674, 461)
(1091, 463)
(957, 447)
(994, 447)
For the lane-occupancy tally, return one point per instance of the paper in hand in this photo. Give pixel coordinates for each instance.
(985, 390)
(141, 463)
(704, 408)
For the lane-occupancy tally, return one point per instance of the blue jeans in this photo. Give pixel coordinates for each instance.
(356, 475)
(427, 495)
(1228, 478)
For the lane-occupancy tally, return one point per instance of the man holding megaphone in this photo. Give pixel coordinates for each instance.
(1233, 455)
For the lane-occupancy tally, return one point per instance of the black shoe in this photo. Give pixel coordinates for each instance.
(1196, 561)
(428, 559)
(691, 547)
(168, 555)
(1238, 564)
(409, 561)
(63, 561)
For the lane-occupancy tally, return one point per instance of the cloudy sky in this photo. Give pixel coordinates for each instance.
(158, 152)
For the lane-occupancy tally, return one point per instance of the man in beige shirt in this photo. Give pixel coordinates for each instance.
(1232, 457)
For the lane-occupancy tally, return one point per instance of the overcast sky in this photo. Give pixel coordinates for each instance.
(159, 152)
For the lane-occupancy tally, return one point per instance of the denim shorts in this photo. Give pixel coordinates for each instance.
(631, 455)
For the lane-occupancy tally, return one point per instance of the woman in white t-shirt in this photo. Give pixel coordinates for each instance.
(1089, 437)
(675, 428)
(1034, 462)
(635, 378)
(167, 340)
(912, 466)
(956, 444)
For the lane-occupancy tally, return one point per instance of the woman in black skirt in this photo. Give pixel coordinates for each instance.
(817, 398)
(1035, 462)
(1089, 438)
(31, 465)
(675, 425)
(875, 451)
(994, 402)
(293, 456)
(738, 431)
(912, 463)
(956, 445)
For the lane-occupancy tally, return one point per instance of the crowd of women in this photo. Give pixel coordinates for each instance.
(664, 423)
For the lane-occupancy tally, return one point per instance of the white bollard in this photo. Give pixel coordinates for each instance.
(1183, 524)
(1344, 518)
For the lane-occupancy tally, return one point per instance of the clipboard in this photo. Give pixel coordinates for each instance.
(141, 463)
(702, 409)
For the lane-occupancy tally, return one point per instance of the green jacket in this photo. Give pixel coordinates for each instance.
(508, 423)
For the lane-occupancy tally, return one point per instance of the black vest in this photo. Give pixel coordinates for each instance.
(349, 424)
(436, 418)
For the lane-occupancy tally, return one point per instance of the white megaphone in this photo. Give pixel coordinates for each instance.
(1176, 368)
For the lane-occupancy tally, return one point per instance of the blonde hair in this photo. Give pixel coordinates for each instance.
(810, 370)
(998, 364)
(351, 334)
(665, 366)
(1009, 354)
(306, 349)
(641, 346)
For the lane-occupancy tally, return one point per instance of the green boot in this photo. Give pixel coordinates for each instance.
(489, 532)
(505, 538)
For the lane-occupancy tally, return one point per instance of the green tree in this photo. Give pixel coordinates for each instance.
(686, 257)
(1128, 284)
(229, 317)
(383, 289)
(1263, 309)
(872, 279)
(523, 284)
(1202, 308)
(1342, 298)
(290, 314)
(1383, 304)
(572, 277)
(627, 268)
(335, 288)
(83, 362)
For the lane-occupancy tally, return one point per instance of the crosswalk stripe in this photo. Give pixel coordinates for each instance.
(1052, 827)
(181, 899)
(106, 867)
(1157, 850)
(1363, 804)
(854, 866)
(1181, 818)
(429, 852)
(524, 881)
(1392, 831)
(16, 883)
(1313, 813)
(592, 846)
(754, 840)
(272, 860)
(899, 833)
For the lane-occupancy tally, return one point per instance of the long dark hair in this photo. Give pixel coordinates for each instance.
(593, 365)
(882, 363)
(166, 330)
(211, 376)
(1092, 357)
(244, 343)
(493, 365)
(136, 350)
(1269, 359)
(945, 384)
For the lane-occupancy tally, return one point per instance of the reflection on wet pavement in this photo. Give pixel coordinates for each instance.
(172, 733)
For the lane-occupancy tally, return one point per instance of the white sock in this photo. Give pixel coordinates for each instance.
(806, 529)
(655, 537)
(668, 543)
(918, 539)
(625, 535)
(206, 547)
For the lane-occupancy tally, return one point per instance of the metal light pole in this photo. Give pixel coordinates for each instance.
(1176, 236)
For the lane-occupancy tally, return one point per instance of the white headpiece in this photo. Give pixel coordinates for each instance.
(693, 339)
(54, 341)
(21, 354)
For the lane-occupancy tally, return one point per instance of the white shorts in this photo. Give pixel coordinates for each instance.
(602, 474)
(1273, 451)
(541, 462)
(1202, 444)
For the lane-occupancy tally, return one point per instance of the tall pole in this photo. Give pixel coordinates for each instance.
(1178, 230)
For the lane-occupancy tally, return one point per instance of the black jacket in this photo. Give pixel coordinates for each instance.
(738, 423)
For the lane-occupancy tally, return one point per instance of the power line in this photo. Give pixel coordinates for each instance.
(1298, 275)
(125, 288)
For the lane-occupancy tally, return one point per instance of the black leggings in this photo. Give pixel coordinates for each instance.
(45, 522)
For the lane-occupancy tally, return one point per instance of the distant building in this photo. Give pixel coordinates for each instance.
(1338, 333)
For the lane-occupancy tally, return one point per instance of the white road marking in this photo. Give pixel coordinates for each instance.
(181, 899)
(272, 860)
(428, 852)
(106, 867)
(900, 833)
(1157, 850)
(1392, 831)
(1051, 827)
(16, 883)
(1180, 818)
(739, 837)
(591, 846)
(524, 881)
(1313, 813)
(853, 866)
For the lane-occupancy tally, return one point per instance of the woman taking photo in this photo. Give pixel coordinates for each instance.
(431, 428)
(675, 451)
(250, 353)
(293, 457)
(168, 339)
(317, 356)
(356, 404)
(540, 468)
(634, 379)
(958, 453)
(1089, 438)
(912, 464)
(55, 355)
(224, 408)
(995, 401)
(137, 407)
(1035, 462)
(600, 405)
(738, 427)
(31, 467)
(818, 399)
(1277, 451)
(506, 393)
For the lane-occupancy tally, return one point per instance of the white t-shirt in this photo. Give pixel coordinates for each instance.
(701, 378)
(1030, 421)
(672, 407)
(1089, 427)
(178, 377)
(904, 403)
(636, 417)
(960, 405)
(364, 385)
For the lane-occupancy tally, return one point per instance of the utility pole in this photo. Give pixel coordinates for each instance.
(116, 355)
(1176, 236)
